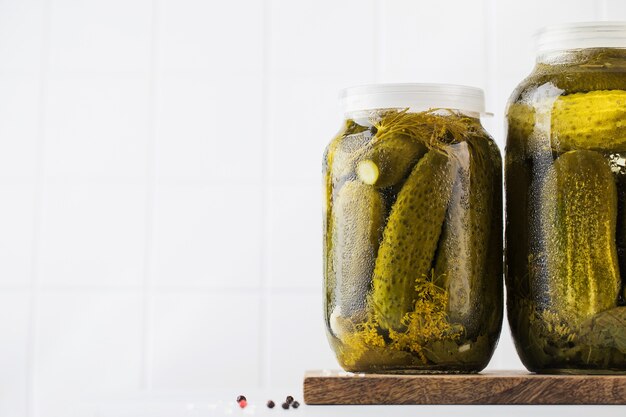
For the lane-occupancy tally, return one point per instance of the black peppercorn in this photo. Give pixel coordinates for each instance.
(289, 399)
(241, 398)
(285, 406)
(295, 404)
(270, 404)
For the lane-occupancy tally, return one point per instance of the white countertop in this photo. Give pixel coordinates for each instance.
(223, 404)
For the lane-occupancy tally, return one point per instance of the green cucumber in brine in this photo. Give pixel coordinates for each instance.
(592, 121)
(462, 255)
(344, 143)
(358, 218)
(388, 161)
(578, 207)
(410, 238)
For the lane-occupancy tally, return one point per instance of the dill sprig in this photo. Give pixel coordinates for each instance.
(436, 128)
(426, 324)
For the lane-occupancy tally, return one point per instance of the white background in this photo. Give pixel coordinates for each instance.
(160, 202)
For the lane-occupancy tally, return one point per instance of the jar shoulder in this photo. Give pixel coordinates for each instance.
(547, 81)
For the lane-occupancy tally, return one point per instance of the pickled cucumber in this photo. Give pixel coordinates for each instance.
(593, 121)
(620, 180)
(521, 123)
(462, 254)
(389, 160)
(493, 308)
(410, 238)
(576, 79)
(583, 70)
(349, 151)
(342, 144)
(578, 212)
(518, 177)
(358, 217)
(348, 141)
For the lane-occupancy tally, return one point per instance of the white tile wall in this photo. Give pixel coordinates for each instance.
(209, 130)
(18, 112)
(313, 37)
(21, 29)
(611, 9)
(14, 337)
(160, 176)
(92, 235)
(95, 127)
(207, 236)
(87, 344)
(211, 39)
(428, 41)
(293, 242)
(295, 347)
(16, 222)
(99, 36)
(204, 340)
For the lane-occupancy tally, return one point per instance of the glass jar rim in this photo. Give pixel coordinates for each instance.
(415, 96)
(580, 35)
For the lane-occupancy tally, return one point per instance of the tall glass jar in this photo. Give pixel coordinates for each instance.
(565, 174)
(413, 231)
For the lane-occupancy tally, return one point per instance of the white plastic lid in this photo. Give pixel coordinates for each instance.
(579, 36)
(417, 97)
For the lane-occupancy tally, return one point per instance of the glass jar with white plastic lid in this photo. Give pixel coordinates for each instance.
(413, 231)
(565, 169)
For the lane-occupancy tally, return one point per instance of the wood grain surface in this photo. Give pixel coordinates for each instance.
(506, 387)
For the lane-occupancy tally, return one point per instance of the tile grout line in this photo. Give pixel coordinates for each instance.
(491, 83)
(491, 80)
(146, 285)
(264, 355)
(379, 40)
(31, 390)
(154, 289)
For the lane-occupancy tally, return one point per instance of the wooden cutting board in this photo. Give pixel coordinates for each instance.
(506, 387)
